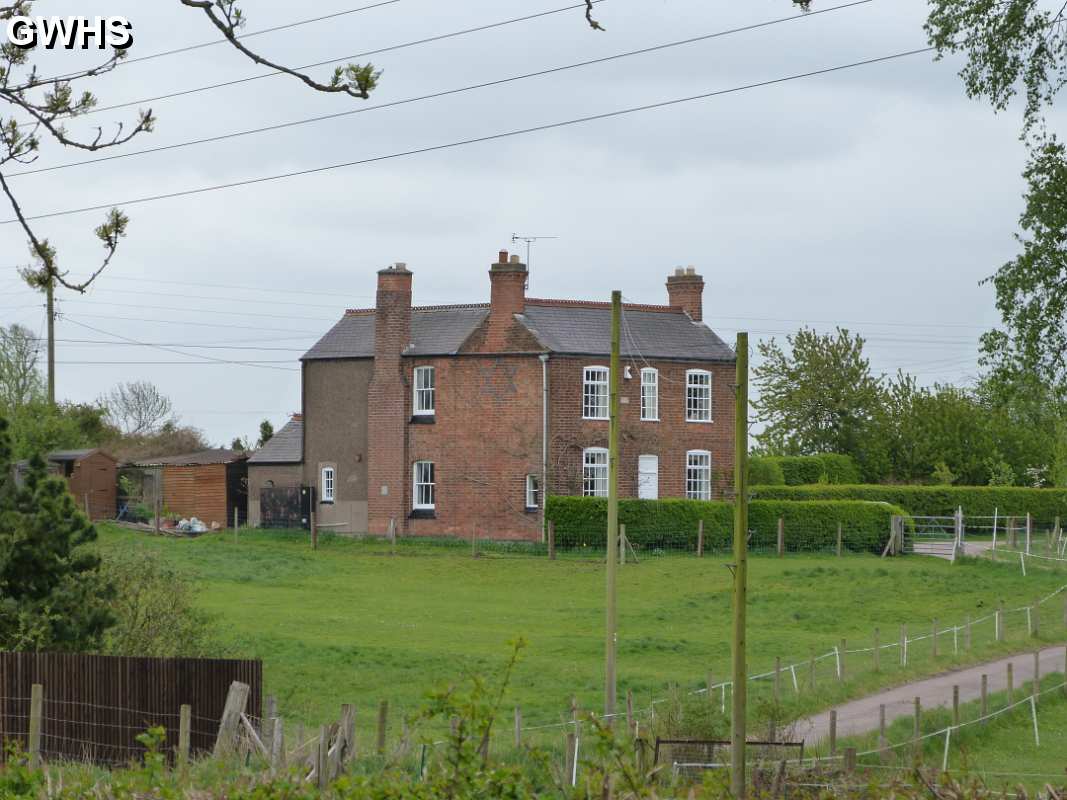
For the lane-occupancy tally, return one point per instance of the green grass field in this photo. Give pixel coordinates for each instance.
(352, 623)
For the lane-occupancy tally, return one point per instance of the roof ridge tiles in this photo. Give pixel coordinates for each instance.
(599, 304)
(446, 307)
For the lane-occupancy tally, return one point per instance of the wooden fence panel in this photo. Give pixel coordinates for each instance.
(96, 706)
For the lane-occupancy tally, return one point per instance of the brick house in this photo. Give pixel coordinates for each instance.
(449, 418)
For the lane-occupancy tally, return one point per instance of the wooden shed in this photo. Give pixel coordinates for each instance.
(91, 476)
(209, 484)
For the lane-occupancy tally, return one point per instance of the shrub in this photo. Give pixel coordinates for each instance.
(803, 470)
(672, 523)
(765, 471)
(1042, 504)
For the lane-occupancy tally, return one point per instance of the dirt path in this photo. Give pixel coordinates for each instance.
(861, 716)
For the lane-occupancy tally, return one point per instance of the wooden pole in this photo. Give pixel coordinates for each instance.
(610, 598)
(322, 751)
(622, 544)
(839, 540)
(277, 745)
(956, 705)
(383, 722)
(36, 724)
(985, 695)
(833, 731)
(739, 707)
(917, 731)
(850, 760)
(882, 741)
(266, 727)
(700, 538)
(551, 540)
(236, 700)
(568, 757)
(781, 537)
(185, 719)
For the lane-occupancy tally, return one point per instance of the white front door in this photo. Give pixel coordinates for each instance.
(648, 477)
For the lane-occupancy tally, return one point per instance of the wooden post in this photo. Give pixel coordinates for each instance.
(781, 536)
(1034, 626)
(877, 651)
(383, 721)
(266, 727)
(518, 727)
(933, 636)
(622, 543)
(1037, 676)
(882, 741)
(850, 760)
(700, 538)
(185, 719)
(985, 695)
(551, 540)
(569, 758)
(956, 705)
(277, 745)
(1000, 622)
(611, 624)
(917, 731)
(630, 712)
(36, 724)
(236, 700)
(839, 538)
(904, 645)
(833, 731)
(314, 532)
(322, 752)
(1011, 683)
(841, 661)
(739, 674)
(348, 730)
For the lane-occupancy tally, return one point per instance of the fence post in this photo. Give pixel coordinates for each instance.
(700, 538)
(630, 709)
(185, 719)
(877, 651)
(36, 721)
(321, 754)
(850, 760)
(236, 700)
(277, 745)
(956, 705)
(781, 536)
(833, 732)
(882, 741)
(551, 540)
(1037, 676)
(518, 727)
(999, 618)
(1034, 621)
(571, 741)
(903, 645)
(266, 727)
(1011, 683)
(1028, 529)
(917, 747)
(383, 721)
(839, 540)
(348, 730)
(985, 696)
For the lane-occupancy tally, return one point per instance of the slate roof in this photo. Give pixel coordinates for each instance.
(561, 326)
(285, 447)
(219, 455)
(436, 331)
(586, 330)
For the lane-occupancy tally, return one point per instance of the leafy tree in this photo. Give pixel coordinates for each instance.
(51, 593)
(819, 396)
(171, 439)
(240, 443)
(266, 432)
(20, 380)
(39, 427)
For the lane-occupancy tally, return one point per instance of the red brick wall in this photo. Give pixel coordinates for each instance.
(669, 439)
(485, 439)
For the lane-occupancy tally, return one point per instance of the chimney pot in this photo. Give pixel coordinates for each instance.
(690, 270)
(503, 259)
(679, 271)
(401, 265)
(515, 259)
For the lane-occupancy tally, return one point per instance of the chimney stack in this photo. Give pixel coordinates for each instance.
(507, 297)
(685, 288)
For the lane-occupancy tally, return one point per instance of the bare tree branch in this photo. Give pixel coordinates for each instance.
(596, 26)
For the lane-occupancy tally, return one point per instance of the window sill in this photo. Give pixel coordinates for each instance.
(325, 502)
(423, 419)
(650, 419)
(532, 509)
(701, 421)
(423, 513)
(597, 419)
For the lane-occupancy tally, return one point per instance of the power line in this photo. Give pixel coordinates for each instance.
(231, 286)
(103, 342)
(477, 139)
(389, 48)
(190, 323)
(184, 310)
(210, 359)
(242, 300)
(433, 95)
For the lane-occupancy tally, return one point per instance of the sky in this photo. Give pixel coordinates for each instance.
(875, 198)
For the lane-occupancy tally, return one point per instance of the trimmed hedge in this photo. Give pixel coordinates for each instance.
(672, 524)
(1042, 504)
(803, 470)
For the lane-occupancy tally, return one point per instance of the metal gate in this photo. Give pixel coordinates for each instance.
(282, 507)
(936, 536)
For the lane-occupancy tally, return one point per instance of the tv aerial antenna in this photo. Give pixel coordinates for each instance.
(515, 238)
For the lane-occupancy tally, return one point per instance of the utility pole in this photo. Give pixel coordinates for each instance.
(740, 680)
(611, 628)
(50, 296)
